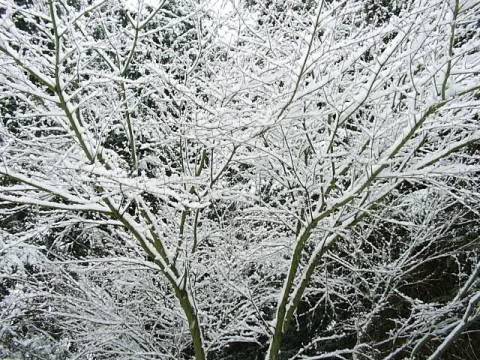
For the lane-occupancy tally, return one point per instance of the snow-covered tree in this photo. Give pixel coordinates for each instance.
(214, 178)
